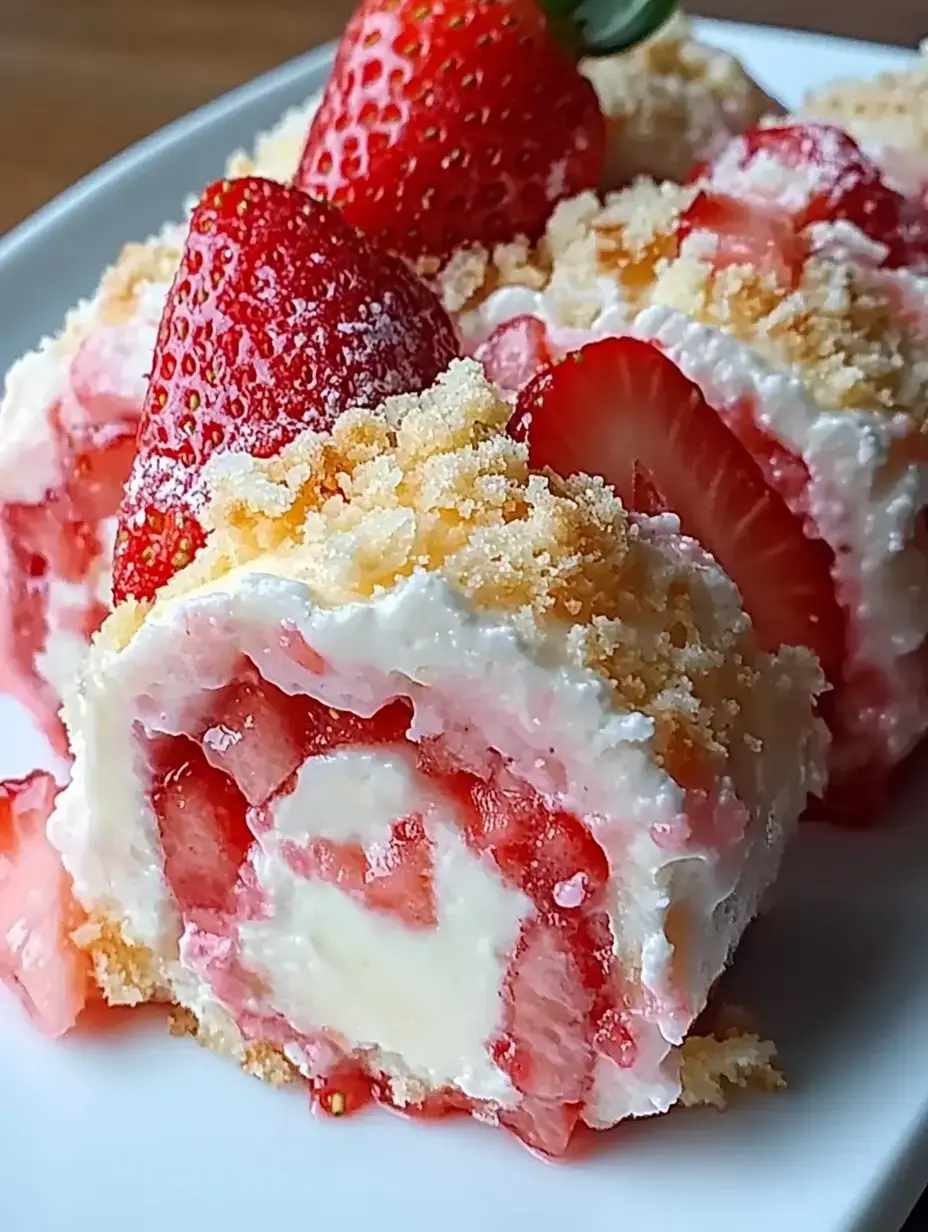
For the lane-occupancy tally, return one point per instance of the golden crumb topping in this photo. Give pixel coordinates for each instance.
(890, 109)
(855, 335)
(670, 101)
(153, 262)
(431, 482)
(277, 152)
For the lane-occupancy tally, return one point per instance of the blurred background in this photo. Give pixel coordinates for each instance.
(82, 79)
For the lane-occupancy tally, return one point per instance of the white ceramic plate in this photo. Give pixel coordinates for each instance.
(143, 1132)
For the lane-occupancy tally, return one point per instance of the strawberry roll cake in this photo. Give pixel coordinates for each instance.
(888, 116)
(67, 437)
(70, 408)
(789, 283)
(436, 780)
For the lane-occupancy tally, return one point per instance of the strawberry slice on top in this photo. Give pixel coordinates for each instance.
(453, 123)
(281, 317)
(621, 409)
(814, 173)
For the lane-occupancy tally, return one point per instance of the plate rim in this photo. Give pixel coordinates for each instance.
(898, 1188)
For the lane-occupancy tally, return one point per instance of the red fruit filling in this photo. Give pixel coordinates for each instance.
(763, 238)
(38, 960)
(621, 409)
(514, 353)
(211, 790)
(60, 540)
(827, 178)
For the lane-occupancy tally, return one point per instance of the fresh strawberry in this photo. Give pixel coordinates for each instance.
(766, 239)
(817, 173)
(281, 316)
(514, 352)
(452, 123)
(619, 408)
(38, 960)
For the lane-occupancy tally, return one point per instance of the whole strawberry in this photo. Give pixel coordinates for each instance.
(456, 122)
(281, 317)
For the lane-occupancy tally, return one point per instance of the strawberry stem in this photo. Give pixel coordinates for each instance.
(603, 27)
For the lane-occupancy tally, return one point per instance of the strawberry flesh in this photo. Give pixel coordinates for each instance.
(38, 913)
(398, 878)
(514, 353)
(281, 317)
(620, 409)
(765, 239)
(556, 1011)
(828, 178)
(449, 124)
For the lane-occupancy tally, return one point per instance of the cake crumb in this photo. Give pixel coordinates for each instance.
(138, 267)
(276, 153)
(462, 277)
(890, 109)
(182, 1022)
(127, 974)
(839, 327)
(670, 101)
(268, 1063)
(711, 1065)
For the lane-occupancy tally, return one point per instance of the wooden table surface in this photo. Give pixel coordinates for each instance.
(82, 79)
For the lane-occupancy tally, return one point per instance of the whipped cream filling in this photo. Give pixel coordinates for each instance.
(866, 511)
(29, 462)
(468, 676)
(427, 995)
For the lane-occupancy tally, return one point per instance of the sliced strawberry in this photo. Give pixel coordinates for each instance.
(201, 820)
(764, 238)
(828, 179)
(514, 352)
(398, 878)
(255, 733)
(547, 1046)
(454, 123)
(38, 960)
(619, 404)
(556, 986)
(281, 317)
(246, 745)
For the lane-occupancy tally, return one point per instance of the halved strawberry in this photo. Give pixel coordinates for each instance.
(514, 352)
(453, 123)
(619, 407)
(281, 317)
(38, 960)
(764, 238)
(828, 179)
